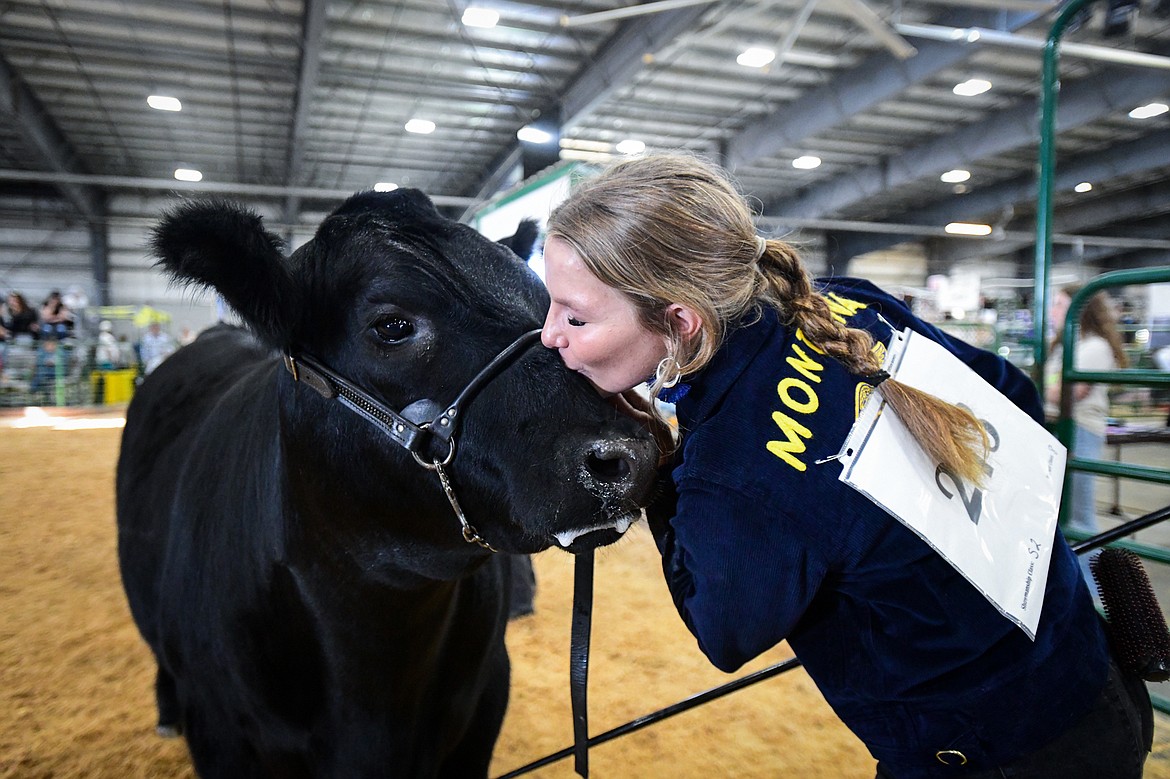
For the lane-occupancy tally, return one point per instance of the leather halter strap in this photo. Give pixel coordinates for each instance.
(329, 384)
(404, 432)
(443, 426)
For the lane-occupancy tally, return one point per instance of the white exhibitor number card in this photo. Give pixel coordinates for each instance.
(999, 534)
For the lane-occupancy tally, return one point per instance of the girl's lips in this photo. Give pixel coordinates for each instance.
(585, 372)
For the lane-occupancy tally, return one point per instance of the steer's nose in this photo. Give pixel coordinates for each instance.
(621, 468)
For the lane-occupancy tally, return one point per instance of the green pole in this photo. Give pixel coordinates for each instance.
(59, 375)
(1046, 166)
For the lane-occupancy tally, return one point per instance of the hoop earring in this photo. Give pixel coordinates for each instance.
(668, 367)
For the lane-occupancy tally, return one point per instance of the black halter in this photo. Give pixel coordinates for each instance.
(407, 434)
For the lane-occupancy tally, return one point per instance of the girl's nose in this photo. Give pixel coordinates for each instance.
(549, 335)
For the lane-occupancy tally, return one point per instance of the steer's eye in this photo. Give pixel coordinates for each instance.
(393, 329)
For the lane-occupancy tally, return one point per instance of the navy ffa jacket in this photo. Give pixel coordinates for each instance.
(760, 544)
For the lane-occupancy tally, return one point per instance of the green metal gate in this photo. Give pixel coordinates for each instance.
(1065, 428)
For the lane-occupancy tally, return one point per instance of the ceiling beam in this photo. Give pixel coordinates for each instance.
(618, 61)
(312, 29)
(1144, 258)
(207, 187)
(880, 77)
(622, 57)
(40, 133)
(1110, 91)
(988, 203)
(1135, 204)
(1112, 212)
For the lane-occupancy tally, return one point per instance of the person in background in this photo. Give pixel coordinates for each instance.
(107, 353)
(18, 318)
(1161, 360)
(154, 347)
(56, 317)
(1098, 348)
(655, 274)
(46, 370)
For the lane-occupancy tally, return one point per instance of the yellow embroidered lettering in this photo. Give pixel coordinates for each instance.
(802, 337)
(794, 433)
(843, 307)
(805, 365)
(810, 403)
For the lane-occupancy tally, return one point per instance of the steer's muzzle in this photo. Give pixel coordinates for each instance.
(620, 471)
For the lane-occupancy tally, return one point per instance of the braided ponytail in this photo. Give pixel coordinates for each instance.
(671, 228)
(950, 436)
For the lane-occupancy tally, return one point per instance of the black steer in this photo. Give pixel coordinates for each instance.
(302, 577)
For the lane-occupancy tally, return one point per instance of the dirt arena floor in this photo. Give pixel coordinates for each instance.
(75, 678)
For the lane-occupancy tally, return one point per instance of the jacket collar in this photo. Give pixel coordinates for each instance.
(743, 341)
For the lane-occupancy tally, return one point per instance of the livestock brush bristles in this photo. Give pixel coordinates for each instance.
(1137, 627)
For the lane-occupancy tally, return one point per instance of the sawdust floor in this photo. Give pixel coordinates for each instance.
(75, 678)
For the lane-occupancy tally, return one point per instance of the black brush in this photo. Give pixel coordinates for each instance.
(1137, 628)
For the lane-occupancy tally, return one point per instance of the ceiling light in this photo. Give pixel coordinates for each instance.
(385, 186)
(584, 145)
(480, 17)
(756, 57)
(631, 146)
(164, 103)
(807, 162)
(972, 87)
(530, 134)
(188, 174)
(956, 176)
(420, 126)
(584, 155)
(1149, 110)
(967, 228)
(1084, 186)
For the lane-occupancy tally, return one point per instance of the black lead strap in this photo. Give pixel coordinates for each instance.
(579, 658)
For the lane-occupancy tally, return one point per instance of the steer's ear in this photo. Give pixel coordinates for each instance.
(523, 241)
(224, 246)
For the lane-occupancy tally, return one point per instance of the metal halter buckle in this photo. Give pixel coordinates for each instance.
(400, 429)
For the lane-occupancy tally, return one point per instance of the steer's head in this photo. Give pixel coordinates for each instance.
(409, 306)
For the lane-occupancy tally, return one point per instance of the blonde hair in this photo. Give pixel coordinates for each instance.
(671, 228)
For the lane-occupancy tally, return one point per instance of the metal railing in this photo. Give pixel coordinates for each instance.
(1066, 426)
(1046, 171)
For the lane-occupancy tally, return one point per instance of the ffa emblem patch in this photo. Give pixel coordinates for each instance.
(862, 394)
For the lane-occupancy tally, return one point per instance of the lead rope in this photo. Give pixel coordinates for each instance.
(579, 658)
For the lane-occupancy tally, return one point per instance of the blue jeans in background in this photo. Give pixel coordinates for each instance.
(1082, 515)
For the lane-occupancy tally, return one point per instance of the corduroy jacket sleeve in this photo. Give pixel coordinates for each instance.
(740, 582)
